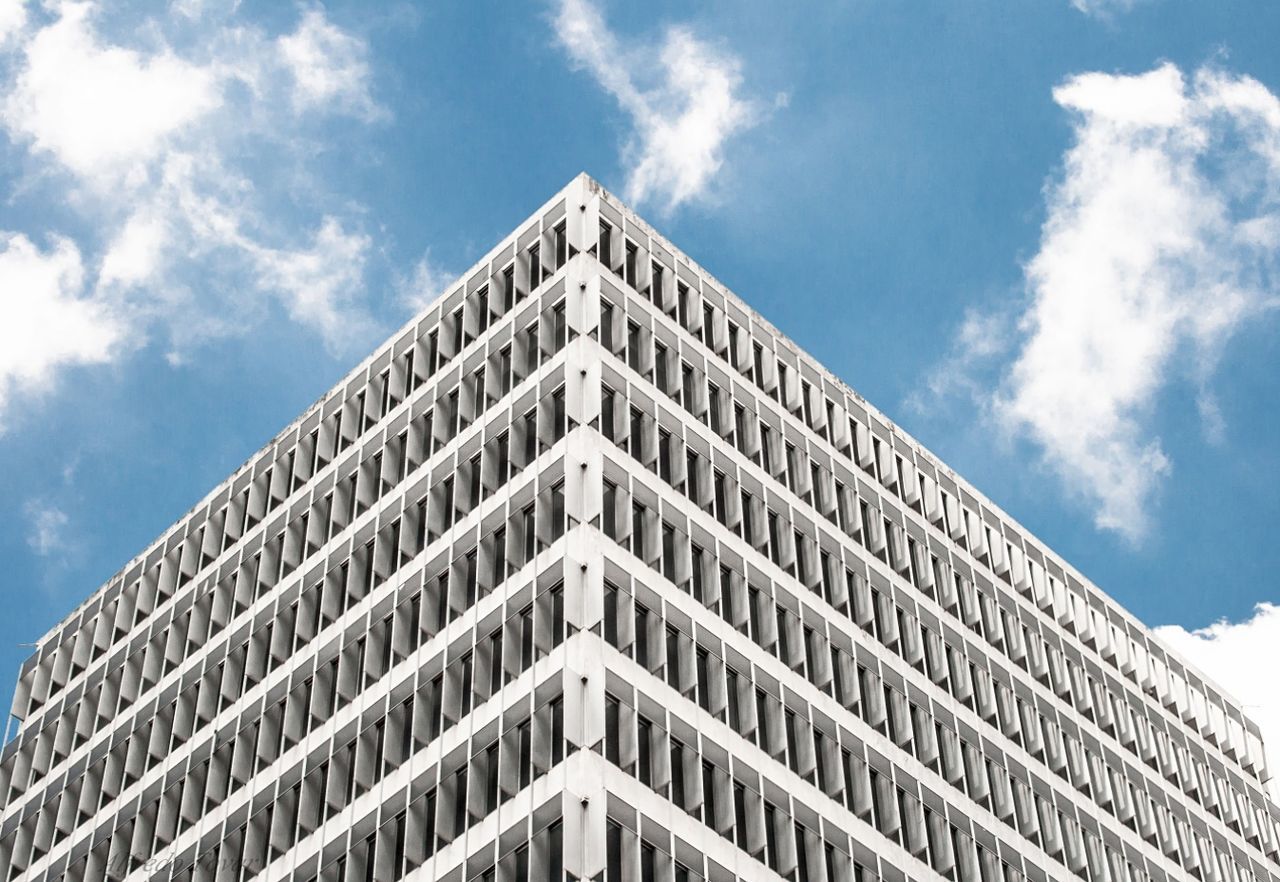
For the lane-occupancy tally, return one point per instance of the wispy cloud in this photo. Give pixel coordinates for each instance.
(1105, 9)
(1160, 242)
(425, 284)
(684, 97)
(329, 67)
(46, 528)
(1242, 657)
(145, 146)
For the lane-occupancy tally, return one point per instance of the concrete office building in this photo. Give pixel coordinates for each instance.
(589, 573)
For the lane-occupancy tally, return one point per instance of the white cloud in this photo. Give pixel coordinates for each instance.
(682, 122)
(1104, 9)
(328, 66)
(49, 322)
(103, 111)
(145, 147)
(1243, 658)
(47, 530)
(136, 251)
(427, 282)
(322, 282)
(13, 18)
(1157, 247)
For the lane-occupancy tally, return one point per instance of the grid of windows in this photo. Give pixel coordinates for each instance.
(589, 574)
(318, 628)
(892, 615)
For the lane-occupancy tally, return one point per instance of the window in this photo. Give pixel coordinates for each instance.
(731, 692)
(740, 815)
(482, 309)
(561, 244)
(457, 331)
(633, 346)
(559, 417)
(609, 515)
(699, 586)
(465, 669)
(644, 751)
(606, 325)
(677, 774)
(629, 265)
(721, 502)
(495, 661)
(612, 730)
(607, 415)
(535, 265)
(703, 668)
(708, 794)
(637, 530)
(559, 326)
(508, 289)
(530, 436)
(606, 243)
(673, 658)
(530, 533)
(668, 552)
(642, 636)
(502, 459)
(665, 455)
(524, 738)
(611, 614)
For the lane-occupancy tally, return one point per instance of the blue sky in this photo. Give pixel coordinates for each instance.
(1040, 236)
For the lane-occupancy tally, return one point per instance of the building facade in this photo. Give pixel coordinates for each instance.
(589, 573)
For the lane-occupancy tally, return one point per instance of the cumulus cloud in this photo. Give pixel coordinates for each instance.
(684, 98)
(13, 17)
(102, 111)
(144, 145)
(328, 66)
(1160, 242)
(49, 321)
(46, 531)
(1242, 657)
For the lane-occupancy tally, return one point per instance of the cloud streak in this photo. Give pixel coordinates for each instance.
(683, 108)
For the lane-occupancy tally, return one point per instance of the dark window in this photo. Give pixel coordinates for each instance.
(606, 243)
(673, 658)
(668, 552)
(606, 326)
(611, 614)
(612, 727)
(609, 515)
(703, 662)
(677, 773)
(613, 852)
(644, 751)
